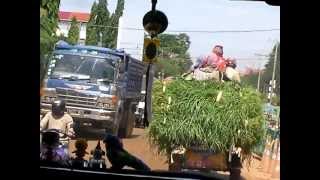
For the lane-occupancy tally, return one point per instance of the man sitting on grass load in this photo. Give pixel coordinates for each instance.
(215, 66)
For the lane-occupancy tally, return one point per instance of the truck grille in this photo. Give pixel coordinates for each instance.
(74, 98)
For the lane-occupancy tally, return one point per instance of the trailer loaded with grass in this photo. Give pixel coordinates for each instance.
(203, 125)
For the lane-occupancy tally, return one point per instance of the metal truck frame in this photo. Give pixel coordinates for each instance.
(108, 107)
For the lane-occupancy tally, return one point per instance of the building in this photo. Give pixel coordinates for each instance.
(127, 39)
(65, 23)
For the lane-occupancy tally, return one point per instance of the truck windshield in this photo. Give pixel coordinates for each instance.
(83, 67)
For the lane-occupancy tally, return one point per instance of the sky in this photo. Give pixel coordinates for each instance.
(204, 15)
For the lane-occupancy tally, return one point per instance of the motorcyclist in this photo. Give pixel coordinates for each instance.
(61, 124)
(58, 119)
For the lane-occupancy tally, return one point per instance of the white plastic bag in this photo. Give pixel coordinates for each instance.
(232, 74)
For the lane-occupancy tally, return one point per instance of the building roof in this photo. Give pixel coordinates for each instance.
(67, 16)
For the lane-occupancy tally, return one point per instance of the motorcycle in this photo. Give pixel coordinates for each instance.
(97, 161)
(54, 145)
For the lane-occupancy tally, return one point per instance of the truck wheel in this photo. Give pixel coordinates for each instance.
(126, 132)
(127, 122)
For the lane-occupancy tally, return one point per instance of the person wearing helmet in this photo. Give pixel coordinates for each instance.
(58, 119)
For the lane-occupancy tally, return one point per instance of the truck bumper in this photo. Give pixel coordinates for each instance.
(97, 118)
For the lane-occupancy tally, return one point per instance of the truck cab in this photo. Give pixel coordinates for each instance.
(101, 87)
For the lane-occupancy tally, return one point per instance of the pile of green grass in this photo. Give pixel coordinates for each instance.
(189, 113)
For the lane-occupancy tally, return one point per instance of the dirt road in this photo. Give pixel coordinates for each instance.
(138, 146)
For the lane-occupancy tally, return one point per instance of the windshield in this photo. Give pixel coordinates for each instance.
(206, 79)
(67, 65)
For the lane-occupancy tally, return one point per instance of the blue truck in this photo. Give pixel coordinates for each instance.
(101, 87)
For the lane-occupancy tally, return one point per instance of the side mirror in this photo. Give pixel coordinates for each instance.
(155, 22)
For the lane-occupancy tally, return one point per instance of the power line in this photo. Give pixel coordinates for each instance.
(239, 59)
(196, 31)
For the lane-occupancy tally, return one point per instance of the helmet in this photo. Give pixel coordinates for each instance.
(58, 107)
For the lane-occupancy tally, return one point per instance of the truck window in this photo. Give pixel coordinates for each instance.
(72, 65)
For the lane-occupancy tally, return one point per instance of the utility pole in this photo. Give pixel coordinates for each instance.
(259, 76)
(273, 84)
(259, 68)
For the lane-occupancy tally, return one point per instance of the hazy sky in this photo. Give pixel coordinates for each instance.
(211, 15)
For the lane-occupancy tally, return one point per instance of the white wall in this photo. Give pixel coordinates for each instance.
(83, 30)
(130, 41)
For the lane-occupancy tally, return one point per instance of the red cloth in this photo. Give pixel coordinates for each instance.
(216, 61)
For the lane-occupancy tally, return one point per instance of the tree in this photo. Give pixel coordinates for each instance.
(173, 56)
(267, 76)
(102, 23)
(62, 37)
(73, 34)
(91, 31)
(115, 22)
(48, 26)
(250, 80)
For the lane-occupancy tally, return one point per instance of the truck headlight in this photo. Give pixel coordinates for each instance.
(107, 102)
(103, 105)
(106, 105)
(48, 95)
(100, 104)
(47, 99)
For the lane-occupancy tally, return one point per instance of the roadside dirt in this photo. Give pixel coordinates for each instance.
(138, 145)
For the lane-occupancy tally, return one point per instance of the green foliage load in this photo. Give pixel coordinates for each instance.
(188, 113)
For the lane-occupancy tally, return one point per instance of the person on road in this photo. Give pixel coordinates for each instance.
(58, 119)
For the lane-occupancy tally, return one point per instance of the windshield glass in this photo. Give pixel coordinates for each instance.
(67, 65)
(206, 79)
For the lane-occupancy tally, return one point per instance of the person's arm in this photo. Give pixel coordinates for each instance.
(69, 125)
(44, 122)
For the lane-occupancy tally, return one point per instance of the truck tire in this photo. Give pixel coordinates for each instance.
(118, 119)
(127, 122)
